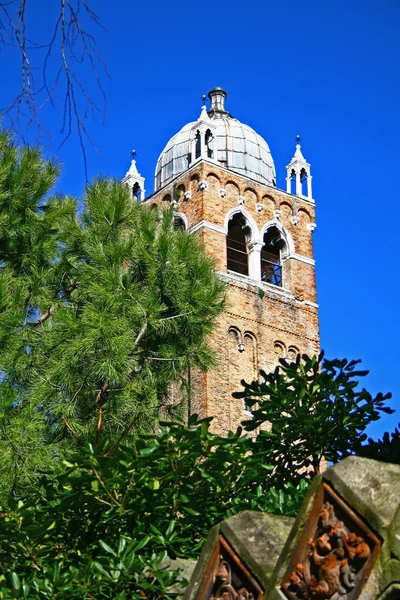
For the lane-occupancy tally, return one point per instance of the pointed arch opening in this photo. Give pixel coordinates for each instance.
(179, 223)
(198, 145)
(250, 363)
(208, 139)
(292, 353)
(239, 234)
(136, 191)
(304, 182)
(293, 185)
(271, 256)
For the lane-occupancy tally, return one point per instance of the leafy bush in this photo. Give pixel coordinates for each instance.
(316, 410)
(101, 525)
(386, 450)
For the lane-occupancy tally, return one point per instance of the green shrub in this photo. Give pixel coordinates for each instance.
(101, 525)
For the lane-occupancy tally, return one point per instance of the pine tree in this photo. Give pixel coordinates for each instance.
(100, 313)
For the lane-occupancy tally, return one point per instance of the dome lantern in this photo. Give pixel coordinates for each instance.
(217, 108)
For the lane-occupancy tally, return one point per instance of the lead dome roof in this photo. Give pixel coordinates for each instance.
(237, 146)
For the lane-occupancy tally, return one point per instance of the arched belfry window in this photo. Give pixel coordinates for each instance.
(304, 182)
(179, 223)
(271, 257)
(236, 245)
(136, 191)
(293, 184)
(198, 144)
(208, 142)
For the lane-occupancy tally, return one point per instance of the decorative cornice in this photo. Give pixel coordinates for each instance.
(214, 163)
(257, 285)
(301, 258)
(299, 336)
(207, 225)
(309, 303)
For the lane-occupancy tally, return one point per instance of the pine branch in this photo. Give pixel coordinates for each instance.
(76, 436)
(185, 314)
(141, 334)
(99, 401)
(166, 359)
(50, 311)
(123, 435)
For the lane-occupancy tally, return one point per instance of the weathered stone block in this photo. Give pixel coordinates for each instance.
(371, 487)
(186, 567)
(344, 544)
(249, 543)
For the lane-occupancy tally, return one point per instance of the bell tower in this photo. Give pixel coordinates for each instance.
(261, 239)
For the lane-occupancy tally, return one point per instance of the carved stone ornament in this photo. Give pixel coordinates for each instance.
(203, 185)
(226, 577)
(188, 195)
(311, 226)
(277, 214)
(335, 553)
(295, 219)
(241, 199)
(222, 192)
(259, 207)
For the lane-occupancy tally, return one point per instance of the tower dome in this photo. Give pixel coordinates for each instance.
(218, 137)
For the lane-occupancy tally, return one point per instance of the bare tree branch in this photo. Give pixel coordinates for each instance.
(57, 64)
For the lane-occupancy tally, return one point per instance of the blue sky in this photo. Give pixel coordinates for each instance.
(326, 70)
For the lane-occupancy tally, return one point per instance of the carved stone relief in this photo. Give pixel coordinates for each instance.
(334, 555)
(228, 578)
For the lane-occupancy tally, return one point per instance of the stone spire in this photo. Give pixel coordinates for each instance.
(134, 180)
(298, 173)
(204, 114)
(203, 137)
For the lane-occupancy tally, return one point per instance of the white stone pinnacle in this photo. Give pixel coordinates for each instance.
(133, 169)
(204, 115)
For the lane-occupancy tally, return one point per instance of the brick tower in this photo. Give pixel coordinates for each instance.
(261, 239)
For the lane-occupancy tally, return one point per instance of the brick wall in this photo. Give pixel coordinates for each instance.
(272, 322)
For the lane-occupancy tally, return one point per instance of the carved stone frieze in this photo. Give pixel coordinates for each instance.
(226, 577)
(334, 555)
